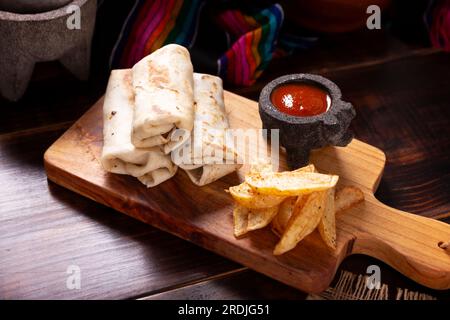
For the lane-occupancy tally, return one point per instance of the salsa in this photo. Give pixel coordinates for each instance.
(300, 99)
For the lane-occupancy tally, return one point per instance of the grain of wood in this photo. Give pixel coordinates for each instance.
(45, 228)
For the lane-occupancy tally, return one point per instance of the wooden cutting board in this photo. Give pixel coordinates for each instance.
(203, 215)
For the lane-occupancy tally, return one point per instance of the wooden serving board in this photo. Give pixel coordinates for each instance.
(203, 215)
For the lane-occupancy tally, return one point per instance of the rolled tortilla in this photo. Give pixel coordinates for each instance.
(119, 155)
(163, 84)
(204, 156)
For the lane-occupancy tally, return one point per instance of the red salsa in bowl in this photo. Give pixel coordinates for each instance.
(300, 99)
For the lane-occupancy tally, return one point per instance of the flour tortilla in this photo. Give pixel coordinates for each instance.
(163, 84)
(119, 155)
(207, 149)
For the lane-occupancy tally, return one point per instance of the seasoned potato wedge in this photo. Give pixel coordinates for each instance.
(308, 168)
(246, 219)
(347, 197)
(327, 225)
(244, 195)
(290, 183)
(240, 218)
(280, 222)
(308, 211)
(259, 218)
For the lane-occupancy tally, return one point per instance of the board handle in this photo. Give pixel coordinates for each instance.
(415, 246)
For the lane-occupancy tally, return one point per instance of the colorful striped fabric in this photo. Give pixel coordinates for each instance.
(255, 38)
(152, 24)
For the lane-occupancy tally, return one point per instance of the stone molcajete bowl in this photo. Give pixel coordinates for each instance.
(300, 135)
(33, 31)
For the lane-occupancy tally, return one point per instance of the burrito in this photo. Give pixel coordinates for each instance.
(163, 85)
(209, 154)
(119, 155)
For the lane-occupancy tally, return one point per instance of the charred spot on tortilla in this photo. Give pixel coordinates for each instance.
(161, 87)
(128, 80)
(159, 81)
(112, 114)
(131, 98)
(157, 109)
(159, 75)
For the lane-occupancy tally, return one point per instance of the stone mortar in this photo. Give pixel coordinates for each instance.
(26, 39)
(300, 135)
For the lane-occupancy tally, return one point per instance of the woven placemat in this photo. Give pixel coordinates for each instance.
(352, 286)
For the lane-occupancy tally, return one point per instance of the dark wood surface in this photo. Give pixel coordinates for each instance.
(403, 109)
(45, 228)
(401, 93)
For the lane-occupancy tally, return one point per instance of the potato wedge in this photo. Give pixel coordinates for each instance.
(347, 197)
(327, 225)
(259, 218)
(275, 227)
(240, 218)
(308, 168)
(280, 222)
(290, 183)
(308, 212)
(244, 195)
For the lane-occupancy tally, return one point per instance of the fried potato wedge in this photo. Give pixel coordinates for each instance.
(275, 227)
(259, 218)
(347, 197)
(240, 218)
(308, 168)
(290, 183)
(285, 210)
(327, 225)
(308, 211)
(244, 195)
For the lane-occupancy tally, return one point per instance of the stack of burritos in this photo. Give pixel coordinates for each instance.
(160, 115)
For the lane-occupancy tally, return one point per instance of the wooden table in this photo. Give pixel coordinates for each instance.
(401, 93)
